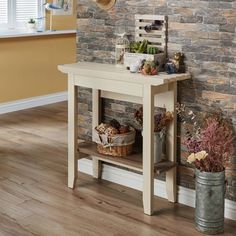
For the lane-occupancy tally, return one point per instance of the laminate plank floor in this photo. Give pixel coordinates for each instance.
(35, 200)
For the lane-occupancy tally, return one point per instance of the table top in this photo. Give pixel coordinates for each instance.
(113, 72)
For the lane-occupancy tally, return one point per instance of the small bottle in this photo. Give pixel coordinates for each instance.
(41, 24)
(122, 46)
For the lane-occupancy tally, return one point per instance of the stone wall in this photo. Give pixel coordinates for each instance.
(204, 30)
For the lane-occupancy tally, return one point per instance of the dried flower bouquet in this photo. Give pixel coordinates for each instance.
(161, 120)
(211, 145)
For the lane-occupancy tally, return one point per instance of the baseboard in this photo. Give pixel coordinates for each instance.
(129, 179)
(32, 102)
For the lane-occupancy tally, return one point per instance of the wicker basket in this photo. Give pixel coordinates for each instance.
(119, 145)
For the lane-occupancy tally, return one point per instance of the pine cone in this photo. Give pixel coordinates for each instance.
(115, 124)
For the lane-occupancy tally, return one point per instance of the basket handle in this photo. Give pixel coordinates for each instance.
(100, 138)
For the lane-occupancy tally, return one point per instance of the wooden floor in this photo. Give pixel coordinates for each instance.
(34, 198)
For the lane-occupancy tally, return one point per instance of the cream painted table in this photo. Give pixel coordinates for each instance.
(117, 83)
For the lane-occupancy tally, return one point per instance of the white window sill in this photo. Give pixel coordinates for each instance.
(26, 33)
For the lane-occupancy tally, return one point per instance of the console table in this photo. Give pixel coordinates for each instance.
(117, 83)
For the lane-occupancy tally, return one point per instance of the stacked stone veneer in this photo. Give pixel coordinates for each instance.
(203, 30)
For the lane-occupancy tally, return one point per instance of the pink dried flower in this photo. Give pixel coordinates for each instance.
(216, 139)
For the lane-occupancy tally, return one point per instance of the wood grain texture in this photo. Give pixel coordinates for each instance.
(148, 150)
(113, 79)
(72, 132)
(171, 175)
(133, 161)
(96, 118)
(35, 199)
(157, 37)
(114, 75)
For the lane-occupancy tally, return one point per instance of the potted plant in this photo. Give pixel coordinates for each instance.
(143, 50)
(31, 24)
(161, 122)
(210, 146)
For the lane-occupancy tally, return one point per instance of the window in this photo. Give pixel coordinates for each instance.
(15, 13)
(3, 12)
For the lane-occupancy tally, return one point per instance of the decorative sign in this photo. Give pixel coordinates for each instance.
(66, 7)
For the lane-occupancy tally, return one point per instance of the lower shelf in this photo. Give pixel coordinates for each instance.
(133, 161)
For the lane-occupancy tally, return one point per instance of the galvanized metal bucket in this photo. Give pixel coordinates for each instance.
(159, 146)
(210, 197)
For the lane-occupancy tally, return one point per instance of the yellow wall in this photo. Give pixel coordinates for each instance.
(63, 22)
(28, 65)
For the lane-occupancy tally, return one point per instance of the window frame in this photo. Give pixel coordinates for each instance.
(11, 15)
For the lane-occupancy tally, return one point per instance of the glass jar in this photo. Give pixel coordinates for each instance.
(122, 46)
(41, 24)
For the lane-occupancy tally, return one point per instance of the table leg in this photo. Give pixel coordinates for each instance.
(72, 132)
(171, 175)
(96, 97)
(97, 168)
(148, 158)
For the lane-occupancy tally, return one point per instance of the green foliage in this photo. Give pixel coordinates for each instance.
(143, 47)
(139, 47)
(152, 49)
(31, 21)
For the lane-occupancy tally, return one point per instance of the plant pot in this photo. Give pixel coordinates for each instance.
(131, 58)
(31, 27)
(210, 197)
